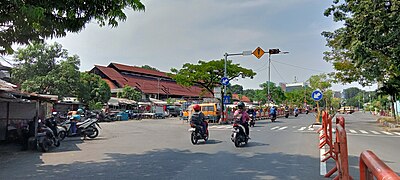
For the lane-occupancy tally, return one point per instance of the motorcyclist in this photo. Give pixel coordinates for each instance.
(198, 118)
(242, 117)
(75, 116)
(272, 111)
(296, 110)
(251, 111)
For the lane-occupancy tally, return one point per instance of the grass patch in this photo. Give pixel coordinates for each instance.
(386, 119)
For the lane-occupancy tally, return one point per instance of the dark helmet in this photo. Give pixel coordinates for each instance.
(196, 107)
(240, 105)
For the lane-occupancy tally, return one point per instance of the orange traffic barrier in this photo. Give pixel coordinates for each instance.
(371, 166)
(340, 153)
(327, 136)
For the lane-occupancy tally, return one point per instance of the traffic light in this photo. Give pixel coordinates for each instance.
(274, 51)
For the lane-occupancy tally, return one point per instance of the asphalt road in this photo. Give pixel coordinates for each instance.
(161, 149)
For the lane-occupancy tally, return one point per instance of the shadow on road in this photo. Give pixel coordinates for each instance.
(176, 164)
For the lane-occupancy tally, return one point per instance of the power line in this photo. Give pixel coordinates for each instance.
(278, 73)
(299, 67)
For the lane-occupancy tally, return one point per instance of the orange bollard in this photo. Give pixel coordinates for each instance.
(371, 166)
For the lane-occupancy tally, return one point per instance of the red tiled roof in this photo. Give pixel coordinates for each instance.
(244, 98)
(135, 69)
(149, 85)
(113, 75)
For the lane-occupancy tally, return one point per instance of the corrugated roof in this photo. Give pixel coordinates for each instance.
(139, 70)
(113, 75)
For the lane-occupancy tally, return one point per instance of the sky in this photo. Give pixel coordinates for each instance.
(170, 33)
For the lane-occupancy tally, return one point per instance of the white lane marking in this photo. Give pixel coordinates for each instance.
(294, 127)
(322, 166)
(276, 127)
(397, 133)
(282, 128)
(364, 132)
(353, 131)
(220, 127)
(302, 128)
(258, 130)
(375, 132)
(388, 133)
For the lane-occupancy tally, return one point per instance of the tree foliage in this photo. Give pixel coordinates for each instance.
(93, 90)
(26, 21)
(366, 49)
(298, 96)
(46, 69)
(149, 67)
(236, 89)
(208, 73)
(130, 93)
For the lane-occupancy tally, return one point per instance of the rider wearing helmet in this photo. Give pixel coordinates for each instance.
(198, 118)
(242, 117)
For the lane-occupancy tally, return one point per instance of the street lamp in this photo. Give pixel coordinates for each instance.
(270, 52)
(244, 53)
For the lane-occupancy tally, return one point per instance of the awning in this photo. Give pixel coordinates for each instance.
(117, 101)
(156, 101)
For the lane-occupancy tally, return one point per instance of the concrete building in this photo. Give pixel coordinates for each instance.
(293, 86)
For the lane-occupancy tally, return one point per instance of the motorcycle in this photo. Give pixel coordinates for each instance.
(86, 128)
(46, 137)
(286, 113)
(273, 117)
(252, 121)
(307, 111)
(296, 113)
(196, 132)
(239, 136)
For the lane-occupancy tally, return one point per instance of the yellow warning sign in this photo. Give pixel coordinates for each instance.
(258, 52)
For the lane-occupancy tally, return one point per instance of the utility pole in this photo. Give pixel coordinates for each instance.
(244, 53)
(271, 51)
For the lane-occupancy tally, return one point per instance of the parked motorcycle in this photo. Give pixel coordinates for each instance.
(196, 132)
(252, 121)
(46, 137)
(239, 137)
(86, 128)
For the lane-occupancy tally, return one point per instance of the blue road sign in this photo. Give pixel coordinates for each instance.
(317, 95)
(227, 99)
(224, 81)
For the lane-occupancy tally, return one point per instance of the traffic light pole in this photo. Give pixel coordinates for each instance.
(244, 53)
(271, 51)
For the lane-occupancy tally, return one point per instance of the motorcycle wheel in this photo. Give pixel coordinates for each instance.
(296, 115)
(206, 138)
(44, 146)
(61, 135)
(57, 142)
(193, 138)
(237, 142)
(287, 116)
(95, 133)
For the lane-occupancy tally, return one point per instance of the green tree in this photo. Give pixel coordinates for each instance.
(351, 92)
(46, 69)
(130, 93)
(323, 83)
(26, 21)
(366, 49)
(297, 97)
(208, 73)
(277, 95)
(149, 67)
(93, 90)
(236, 89)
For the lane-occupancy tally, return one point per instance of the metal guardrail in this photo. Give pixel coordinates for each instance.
(371, 166)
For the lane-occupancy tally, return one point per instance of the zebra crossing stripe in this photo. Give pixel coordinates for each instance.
(276, 127)
(388, 133)
(364, 132)
(353, 131)
(220, 127)
(397, 133)
(302, 128)
(282, 128)
(375, 132)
